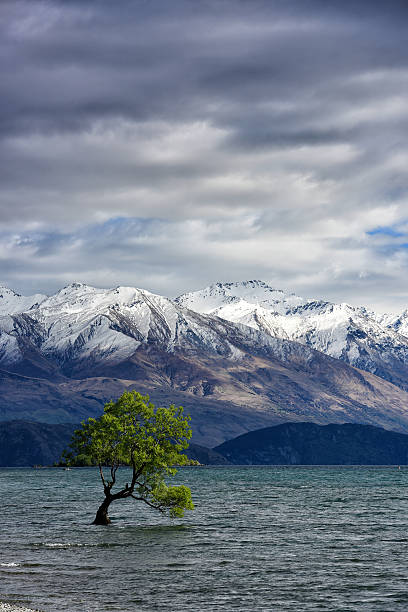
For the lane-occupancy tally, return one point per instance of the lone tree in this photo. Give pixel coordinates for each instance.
(131, 431)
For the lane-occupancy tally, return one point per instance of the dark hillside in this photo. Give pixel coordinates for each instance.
(311, 444)
(24, 444)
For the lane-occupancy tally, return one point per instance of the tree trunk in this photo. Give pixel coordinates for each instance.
(102, 517)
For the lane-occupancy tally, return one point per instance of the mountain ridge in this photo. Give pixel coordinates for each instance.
(352, 334)
(83, 345)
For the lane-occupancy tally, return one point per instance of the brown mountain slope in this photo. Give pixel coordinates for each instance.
(320, 389)
(225, 397)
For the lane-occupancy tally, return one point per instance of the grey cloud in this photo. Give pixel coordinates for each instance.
(148, 61)
(275, 129)
(152, 255)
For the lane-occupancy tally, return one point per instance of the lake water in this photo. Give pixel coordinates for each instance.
(261, 538)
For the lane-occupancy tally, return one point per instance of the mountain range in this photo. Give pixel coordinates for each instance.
(238, 356)
(371, 342)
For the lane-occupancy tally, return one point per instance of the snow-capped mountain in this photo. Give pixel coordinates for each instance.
(354, 335)
(81, 323)
(66, 354)
(13, 303)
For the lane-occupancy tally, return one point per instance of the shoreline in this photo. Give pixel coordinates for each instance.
(7, 607)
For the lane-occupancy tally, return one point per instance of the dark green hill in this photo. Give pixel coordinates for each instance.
(23, 443)
(311, 444)
(205, 456)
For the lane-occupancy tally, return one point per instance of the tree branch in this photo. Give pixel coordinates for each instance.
(114, 468)
(136, 474)
(159, 507)
(102, 476)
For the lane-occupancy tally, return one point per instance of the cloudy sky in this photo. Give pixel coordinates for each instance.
(169, 145)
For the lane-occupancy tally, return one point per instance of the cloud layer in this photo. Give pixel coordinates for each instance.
(170, 145)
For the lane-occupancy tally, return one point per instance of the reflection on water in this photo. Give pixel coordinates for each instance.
(261, 538)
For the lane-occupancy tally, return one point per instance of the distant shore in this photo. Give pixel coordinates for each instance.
(6, 607)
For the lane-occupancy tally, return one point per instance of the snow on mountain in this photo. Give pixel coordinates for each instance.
(13, 303)
(81, 322)
(242, 295)
(398, 323)
(9, 349)
(344, 332)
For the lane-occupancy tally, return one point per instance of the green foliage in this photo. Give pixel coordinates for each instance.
(176, 499)
(192, 462)
(131, 431)
(82, 460)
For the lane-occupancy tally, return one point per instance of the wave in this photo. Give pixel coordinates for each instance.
(62, 544)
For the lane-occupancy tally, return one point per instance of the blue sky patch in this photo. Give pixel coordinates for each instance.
(384, 230)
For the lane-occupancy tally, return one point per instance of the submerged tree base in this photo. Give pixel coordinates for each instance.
(102, 517)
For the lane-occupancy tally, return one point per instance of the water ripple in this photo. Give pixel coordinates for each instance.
(262, 538)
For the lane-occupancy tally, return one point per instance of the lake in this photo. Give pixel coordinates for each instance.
(261, 538)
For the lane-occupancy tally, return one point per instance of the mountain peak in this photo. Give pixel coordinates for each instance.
(247, 284)
(12, 302)
(74, 286)
(250, 292)
(4, 290)
(74, 289)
